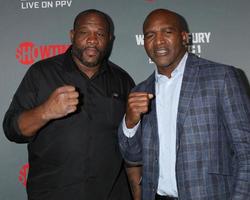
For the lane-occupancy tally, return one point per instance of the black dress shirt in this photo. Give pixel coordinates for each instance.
(75, 157)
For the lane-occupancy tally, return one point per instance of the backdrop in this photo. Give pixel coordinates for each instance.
(31, 30)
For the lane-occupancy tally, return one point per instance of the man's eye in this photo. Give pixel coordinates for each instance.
(168, 32)
(148, 36)
(83, 32)
(101, 34)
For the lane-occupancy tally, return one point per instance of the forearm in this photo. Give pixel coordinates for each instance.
(29, 122)
(134, 177)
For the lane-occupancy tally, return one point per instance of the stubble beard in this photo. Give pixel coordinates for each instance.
(78, 53)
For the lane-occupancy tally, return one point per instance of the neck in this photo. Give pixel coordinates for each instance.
(167, 71)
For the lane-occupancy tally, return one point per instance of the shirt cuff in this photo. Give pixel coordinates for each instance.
(129, 132)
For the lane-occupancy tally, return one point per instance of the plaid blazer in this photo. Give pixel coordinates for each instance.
(213, 135)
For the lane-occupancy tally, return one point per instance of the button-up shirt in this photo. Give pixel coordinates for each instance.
(78, 152)
(167, 100)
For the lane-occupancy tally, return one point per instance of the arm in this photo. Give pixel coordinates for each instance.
(60, 103)
(129, 135)
(134, 177)
(130, 144)
(236, 113)
(25, 116)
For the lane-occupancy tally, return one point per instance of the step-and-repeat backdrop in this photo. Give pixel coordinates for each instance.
(31, 30)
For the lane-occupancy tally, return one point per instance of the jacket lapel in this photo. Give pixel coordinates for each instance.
(152, 117)
(187, 90)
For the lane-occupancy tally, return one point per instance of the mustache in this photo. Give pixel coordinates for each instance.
(90, 47)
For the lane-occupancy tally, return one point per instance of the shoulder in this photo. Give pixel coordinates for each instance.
(146, 85)
(49, 64)
(42, 71)
(208, 67)
(48, 68)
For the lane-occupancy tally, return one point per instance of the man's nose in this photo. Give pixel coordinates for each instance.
(159, 38)
(92, 39)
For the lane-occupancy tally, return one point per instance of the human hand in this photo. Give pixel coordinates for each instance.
(138, 104)
(61, 102)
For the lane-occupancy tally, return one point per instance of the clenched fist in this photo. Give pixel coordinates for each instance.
(61, 102)
(138, 104)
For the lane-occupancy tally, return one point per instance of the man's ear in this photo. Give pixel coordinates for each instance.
(111, 38)
(71, 35)
(185, 38)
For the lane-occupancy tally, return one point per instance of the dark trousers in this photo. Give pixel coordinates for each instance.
(160, 197)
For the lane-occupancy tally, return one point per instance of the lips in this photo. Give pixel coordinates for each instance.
(161, 52)
(91, 51)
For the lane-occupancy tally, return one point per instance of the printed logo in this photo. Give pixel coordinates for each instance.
(196, 41)
(27, 52)
(23, 174)
(34, 4)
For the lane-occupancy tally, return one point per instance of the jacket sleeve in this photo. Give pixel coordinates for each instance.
(235, 102)
(131, 148)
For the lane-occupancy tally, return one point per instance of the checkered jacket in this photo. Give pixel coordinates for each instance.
(213, 135)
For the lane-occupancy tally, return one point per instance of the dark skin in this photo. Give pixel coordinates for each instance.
(90, 39)
(164, 40)
(165, 43)
(134, 177)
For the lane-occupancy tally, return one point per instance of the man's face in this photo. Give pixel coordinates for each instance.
(164, 39)
(90, 39)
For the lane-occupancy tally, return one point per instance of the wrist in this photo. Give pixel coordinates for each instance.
(44, 114)
(130, 123)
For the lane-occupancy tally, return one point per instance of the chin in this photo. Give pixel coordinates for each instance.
(90, 64)
(91, 61)
(162, 64)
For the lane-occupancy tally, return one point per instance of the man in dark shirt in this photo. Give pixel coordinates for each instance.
(68, 108)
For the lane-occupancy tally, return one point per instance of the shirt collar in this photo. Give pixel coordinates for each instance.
(179, 70)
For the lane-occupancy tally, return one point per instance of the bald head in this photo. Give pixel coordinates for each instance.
(103, 15)
(179, 21)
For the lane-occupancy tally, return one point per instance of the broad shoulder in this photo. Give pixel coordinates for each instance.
(49, 64)
(207, 67)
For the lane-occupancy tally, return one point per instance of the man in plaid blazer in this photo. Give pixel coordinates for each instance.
(188, 124)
